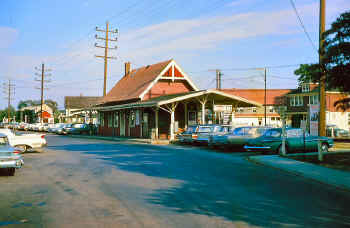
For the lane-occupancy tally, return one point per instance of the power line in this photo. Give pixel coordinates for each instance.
(303, 26)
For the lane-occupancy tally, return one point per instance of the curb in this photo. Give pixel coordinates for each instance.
(300, 173)
(145, 141)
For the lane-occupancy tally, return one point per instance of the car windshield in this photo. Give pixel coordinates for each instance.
(3, 141)
(273, 133)
(249, 131)
(204, 129)
(68, 125)
(78, 125)
(191, 129)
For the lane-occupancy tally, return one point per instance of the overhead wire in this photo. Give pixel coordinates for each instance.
(303, 26)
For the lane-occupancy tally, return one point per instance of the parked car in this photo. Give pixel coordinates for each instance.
(203, 133)
(296, 141)
(61, 129)
(186, 136)
(77, 129)
(334, 131)
(53, 128)
(219, 139)
(25, 141)
(10, 158)
(240, 136)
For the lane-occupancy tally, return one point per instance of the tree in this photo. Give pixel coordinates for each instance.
(335, 62)
(308, 73)
(336, 59)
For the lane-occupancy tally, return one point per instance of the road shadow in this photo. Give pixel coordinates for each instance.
(225, 185)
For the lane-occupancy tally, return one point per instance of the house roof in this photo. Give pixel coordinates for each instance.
(132, 85)
(273, 96)
(78, 102)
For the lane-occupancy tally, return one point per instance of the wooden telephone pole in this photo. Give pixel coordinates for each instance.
(322, 86)
(8, 92)
(105, 57)
(42, 80)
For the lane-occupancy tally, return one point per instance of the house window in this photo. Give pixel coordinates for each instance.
(272, 118)
(116, 119)
(313, 99)
(271, 109)
(254, 109)
(132, 119)
(296, 101)
(110, 120)
(102, 119)
(305, 88)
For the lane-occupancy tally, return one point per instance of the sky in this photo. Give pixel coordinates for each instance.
(200, 35)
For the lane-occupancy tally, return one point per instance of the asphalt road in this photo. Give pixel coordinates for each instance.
(93, 183)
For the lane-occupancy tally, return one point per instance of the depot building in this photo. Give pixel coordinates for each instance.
(160, 100)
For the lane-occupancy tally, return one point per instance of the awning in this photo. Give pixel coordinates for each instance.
(218, 96)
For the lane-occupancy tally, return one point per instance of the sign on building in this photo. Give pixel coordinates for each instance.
(314, 111)
(222, 108)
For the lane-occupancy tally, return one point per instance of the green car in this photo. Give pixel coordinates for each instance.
(296, 141)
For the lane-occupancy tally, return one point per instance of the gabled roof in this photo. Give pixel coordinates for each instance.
(78, 102)
(273, 96)
(136, 84)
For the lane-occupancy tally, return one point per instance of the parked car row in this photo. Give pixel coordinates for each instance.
(59, 128)
(253, 138)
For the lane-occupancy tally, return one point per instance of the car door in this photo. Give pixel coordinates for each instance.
(295, 140)
(311, 143)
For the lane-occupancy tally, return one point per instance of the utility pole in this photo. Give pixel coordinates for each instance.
(42, 74)
(322, 85)
(105, 57)
(265, 95)
(218, 79)
(9, 93)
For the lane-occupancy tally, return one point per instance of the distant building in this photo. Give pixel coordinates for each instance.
(77, 109)
(299, 100)
(255, 116)
(47, 112)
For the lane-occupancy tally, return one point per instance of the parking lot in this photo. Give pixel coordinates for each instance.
(94, 183)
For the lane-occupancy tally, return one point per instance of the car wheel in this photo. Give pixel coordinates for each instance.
(11, 171)
(324, 148)
(280, 150)
(24, 148)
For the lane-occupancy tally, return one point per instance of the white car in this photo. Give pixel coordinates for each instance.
(25, 141)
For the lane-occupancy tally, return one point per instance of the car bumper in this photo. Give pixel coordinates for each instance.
(12, 164)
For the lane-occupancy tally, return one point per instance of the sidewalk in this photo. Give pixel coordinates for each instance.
(122, 139)
(336, 178)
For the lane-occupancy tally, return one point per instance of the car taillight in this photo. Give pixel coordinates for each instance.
(16, 152)
(194, 136)
(43, 136)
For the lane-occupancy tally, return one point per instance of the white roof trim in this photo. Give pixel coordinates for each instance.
(155, 80)
(186, 76)
(171, 64)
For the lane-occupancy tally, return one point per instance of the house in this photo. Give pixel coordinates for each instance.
(47, 112)
(76, 109)
(157, 101)
(300, 99)
(255, 116)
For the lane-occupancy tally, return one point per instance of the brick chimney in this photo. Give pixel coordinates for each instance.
(127, 68)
